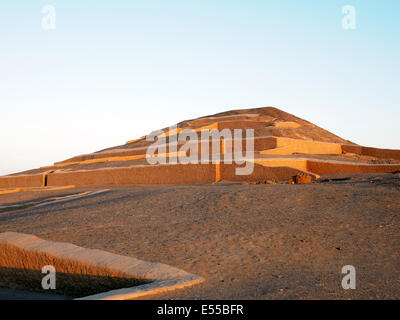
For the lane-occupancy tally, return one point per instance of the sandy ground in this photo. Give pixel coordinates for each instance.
(248, 241)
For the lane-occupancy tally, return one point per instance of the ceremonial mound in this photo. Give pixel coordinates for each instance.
(273, 146)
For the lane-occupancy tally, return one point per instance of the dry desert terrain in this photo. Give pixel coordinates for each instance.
(249, 241)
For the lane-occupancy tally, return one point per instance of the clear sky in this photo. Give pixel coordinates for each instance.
(112, 71)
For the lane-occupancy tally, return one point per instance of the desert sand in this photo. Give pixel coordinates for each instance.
(249, 241)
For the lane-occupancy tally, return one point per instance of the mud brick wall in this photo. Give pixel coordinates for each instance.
(21, 181)
(325, 167)
(162, 174)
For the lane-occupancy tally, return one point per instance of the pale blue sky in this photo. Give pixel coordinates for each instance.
(112, 71)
